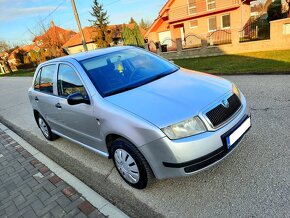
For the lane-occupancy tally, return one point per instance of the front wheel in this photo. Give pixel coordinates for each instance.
(131, 164)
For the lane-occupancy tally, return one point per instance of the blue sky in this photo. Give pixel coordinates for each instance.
(16, 16)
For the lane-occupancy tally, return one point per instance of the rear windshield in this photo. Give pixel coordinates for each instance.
(126, 69)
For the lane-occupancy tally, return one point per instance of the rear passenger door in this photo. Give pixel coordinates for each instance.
(43, 95)
(77, 121)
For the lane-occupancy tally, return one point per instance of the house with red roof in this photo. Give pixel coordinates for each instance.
(52, 40)
(74, 45)
(200, 18)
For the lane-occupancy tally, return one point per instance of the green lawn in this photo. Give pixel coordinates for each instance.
(268, 62)
(19, 73)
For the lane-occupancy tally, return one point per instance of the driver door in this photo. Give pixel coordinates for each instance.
(76, 121)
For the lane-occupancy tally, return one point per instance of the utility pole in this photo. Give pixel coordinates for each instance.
(79, 25)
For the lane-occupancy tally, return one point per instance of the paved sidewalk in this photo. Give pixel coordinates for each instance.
(30, 189)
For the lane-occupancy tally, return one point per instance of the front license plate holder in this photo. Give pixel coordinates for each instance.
(237, 132)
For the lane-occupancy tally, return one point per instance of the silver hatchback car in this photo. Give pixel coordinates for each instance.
(151, 117)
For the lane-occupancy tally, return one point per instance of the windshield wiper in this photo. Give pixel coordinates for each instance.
(124, 89)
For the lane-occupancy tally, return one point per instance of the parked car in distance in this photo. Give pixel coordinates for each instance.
(151, 117)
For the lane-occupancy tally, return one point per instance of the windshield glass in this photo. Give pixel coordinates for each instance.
(126, 69)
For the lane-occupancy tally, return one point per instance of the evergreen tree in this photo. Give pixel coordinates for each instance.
(144, 25)
(132, 36)
(132, 20)
(101, 22)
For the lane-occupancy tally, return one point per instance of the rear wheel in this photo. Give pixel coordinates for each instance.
(131, 164)
(45, 129)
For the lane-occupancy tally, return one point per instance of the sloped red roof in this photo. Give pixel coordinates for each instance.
(54, 35)
(90, 34)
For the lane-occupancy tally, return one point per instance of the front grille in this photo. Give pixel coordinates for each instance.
(220, 114)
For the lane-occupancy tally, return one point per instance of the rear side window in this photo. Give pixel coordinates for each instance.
(46, 79)
(68, 82)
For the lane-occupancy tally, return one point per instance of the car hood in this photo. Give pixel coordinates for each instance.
(173, 98)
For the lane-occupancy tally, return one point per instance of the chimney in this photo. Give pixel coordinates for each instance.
(52, 24)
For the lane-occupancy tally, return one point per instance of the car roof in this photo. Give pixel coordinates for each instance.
(89, 54)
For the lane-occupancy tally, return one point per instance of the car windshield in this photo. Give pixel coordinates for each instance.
(126, 69)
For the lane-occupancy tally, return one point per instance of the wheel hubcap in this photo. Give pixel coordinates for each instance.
(43, 127)
(127, 166)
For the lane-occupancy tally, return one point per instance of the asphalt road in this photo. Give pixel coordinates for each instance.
(252, 182)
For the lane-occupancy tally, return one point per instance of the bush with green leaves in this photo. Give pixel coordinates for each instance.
(275, 11)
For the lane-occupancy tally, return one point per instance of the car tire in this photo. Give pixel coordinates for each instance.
(45, 128)
(130, 164)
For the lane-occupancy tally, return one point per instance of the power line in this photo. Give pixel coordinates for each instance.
(43, 19)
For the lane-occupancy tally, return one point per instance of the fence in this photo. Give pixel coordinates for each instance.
(255, 31)
(276, 37)
(191, 41)
(219, 37)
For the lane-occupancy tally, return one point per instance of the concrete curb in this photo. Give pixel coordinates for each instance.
(104, 206)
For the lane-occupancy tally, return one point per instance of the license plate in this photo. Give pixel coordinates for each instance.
(232, 138)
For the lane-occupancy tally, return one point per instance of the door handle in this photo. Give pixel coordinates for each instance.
(58, 106)
(36, 99)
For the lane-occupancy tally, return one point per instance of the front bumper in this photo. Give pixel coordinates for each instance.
(183, 157)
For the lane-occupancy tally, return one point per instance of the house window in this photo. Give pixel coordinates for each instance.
(193, 23)
(286, 29)
(212, 24)
(210, 4)
(226, 21)
(191, 7)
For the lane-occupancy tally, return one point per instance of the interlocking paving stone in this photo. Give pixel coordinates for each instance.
(69, 191)
(86, 207)
(29, 189)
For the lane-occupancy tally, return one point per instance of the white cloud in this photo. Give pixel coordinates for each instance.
(16, 13)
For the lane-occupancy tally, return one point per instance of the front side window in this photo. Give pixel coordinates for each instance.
(191, 6)
(68, 82)
(126, 69)
(210, 4)
(212, 24)
(226, 21)
(46, 79)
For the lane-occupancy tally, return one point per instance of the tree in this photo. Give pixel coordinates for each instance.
(132, 20)
(275, 11)
(145, 24)
(49, 38)
(4, 49)
(288, 3)
(101, 22)
(132, 36)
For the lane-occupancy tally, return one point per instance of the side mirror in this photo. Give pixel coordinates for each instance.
(77, 98)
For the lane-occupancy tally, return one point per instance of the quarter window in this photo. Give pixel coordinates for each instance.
(210, 4)
(68, 82)
(226, 21)
(37, 81)
(212, 24)
(46, 79)
(191, 6)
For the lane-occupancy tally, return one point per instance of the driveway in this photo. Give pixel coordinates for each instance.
(252, 182)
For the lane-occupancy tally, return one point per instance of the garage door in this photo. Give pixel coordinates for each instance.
(165, 38)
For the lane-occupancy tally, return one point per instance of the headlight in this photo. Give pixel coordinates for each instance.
(236, 91)
(185, 128)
